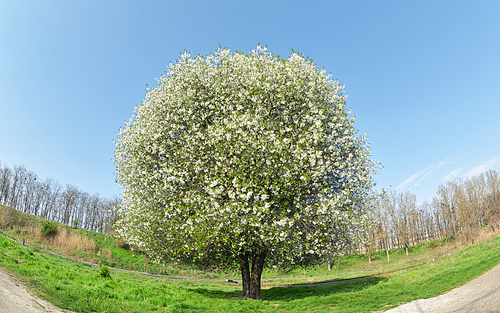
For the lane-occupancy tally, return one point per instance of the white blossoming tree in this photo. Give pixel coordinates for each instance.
(242, 160)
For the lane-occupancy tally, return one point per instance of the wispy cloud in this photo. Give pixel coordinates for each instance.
(423, 174)
(410, 179)
(453, 174)
(429, 173)
(482, 168)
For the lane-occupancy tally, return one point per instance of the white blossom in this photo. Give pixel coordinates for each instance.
(234, 152)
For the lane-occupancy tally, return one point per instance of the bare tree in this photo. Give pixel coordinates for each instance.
(5, 184)
(24, 191)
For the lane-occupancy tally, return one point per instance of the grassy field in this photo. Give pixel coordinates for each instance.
(96, 247)
(78, 287)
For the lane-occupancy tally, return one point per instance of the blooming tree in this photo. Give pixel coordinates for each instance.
(245, 160)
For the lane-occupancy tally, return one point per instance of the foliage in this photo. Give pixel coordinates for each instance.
(7, 242)
(122, 244)
(49, 229)
(75, 223)
(237, 155)
(103, 270)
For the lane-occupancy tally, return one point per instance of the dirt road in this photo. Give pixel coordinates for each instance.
(481, 295)
(14, 298)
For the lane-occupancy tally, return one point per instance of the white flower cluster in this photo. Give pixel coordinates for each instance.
(233, 152)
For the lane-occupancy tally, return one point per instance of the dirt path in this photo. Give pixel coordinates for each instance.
(481, 295)
(14, 297)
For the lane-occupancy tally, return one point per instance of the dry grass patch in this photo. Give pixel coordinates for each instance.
(74, 241)
(473, 235)
(106, 253)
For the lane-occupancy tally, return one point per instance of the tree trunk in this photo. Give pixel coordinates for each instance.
(245, 274)
(251, 280)
(258, 259)
(369, 258)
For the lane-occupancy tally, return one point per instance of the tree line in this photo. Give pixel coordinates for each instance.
(24, 191)
(394, 219)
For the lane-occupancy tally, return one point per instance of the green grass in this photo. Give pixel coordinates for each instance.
(78, 287)
(109, 252)
(357, 265)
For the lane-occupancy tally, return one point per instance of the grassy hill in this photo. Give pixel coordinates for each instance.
(353, 285)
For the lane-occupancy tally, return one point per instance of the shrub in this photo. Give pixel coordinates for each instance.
(103, 270)
(7, 242)
(49, 229)
(122, 244)
(4, 242)
(75, 223)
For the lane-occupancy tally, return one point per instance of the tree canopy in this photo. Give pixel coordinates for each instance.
(241, 159)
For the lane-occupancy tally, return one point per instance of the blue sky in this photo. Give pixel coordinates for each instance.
(422, 77)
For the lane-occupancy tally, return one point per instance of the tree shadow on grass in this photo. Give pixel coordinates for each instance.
(183, 307)
(289, 293)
